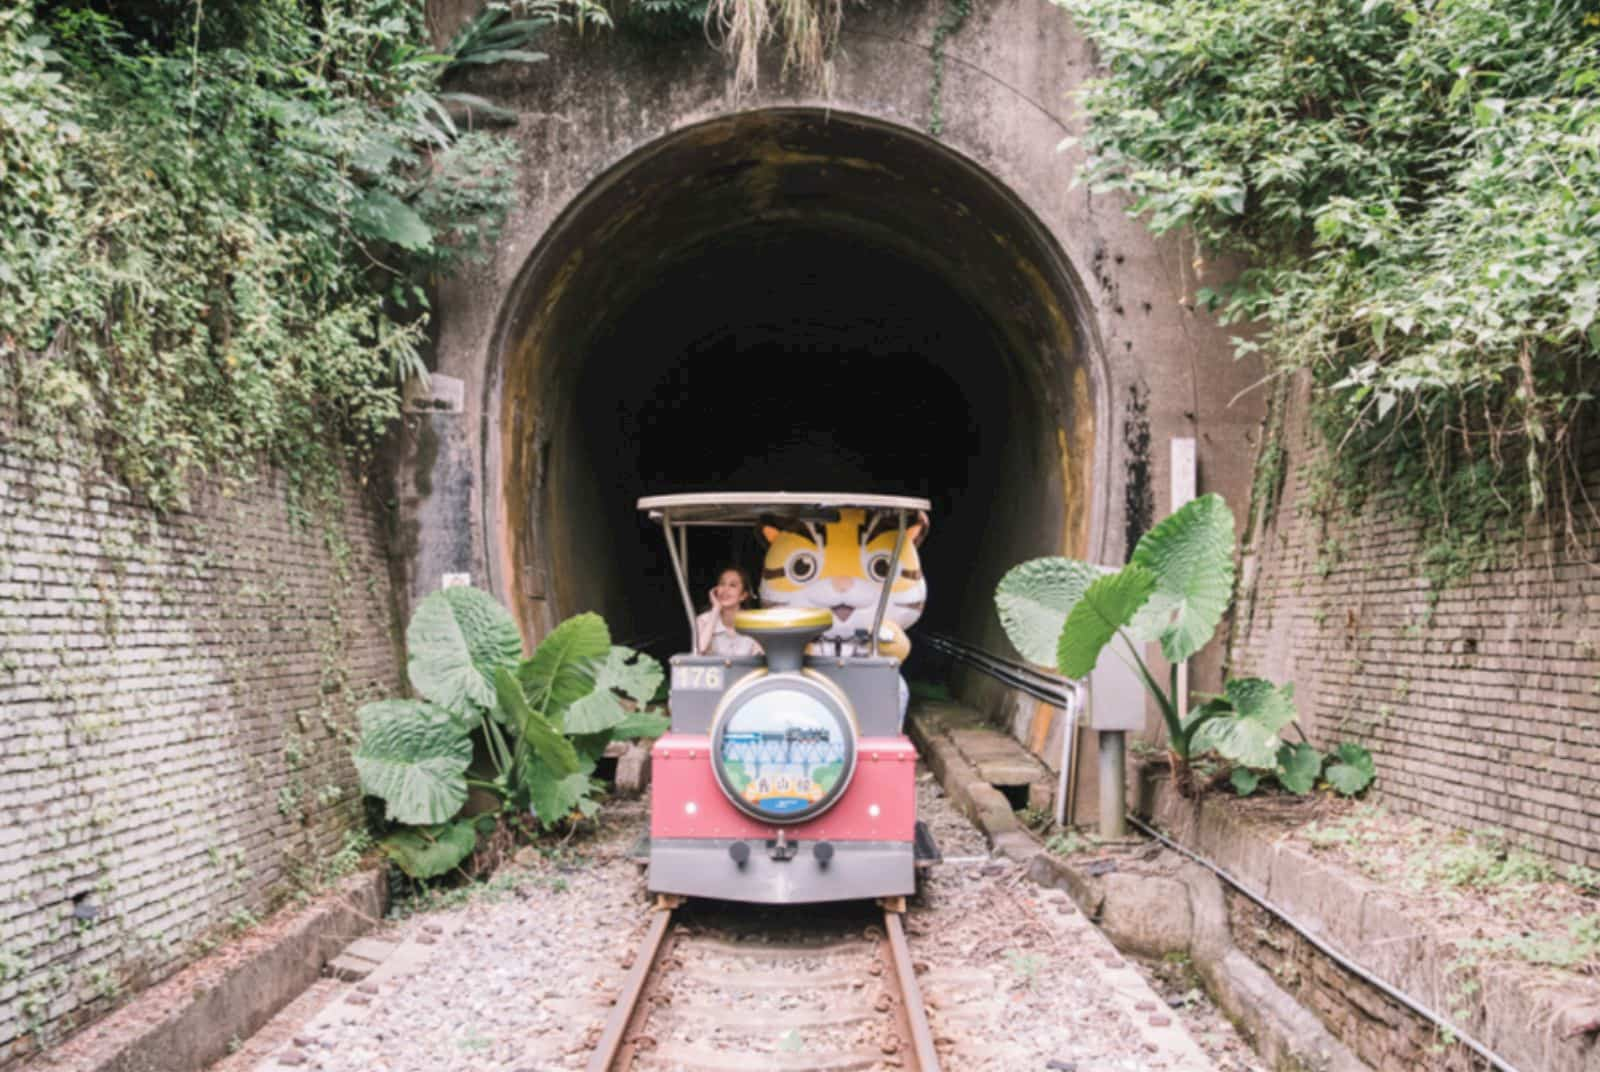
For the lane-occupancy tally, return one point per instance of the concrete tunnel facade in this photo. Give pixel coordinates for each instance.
(789, 292)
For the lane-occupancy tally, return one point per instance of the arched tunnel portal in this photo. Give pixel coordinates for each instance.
(787, 299)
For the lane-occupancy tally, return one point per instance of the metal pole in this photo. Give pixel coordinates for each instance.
(1069, 758)
(683, 580)
(894, 575)
(1113, 786)
(683, 553)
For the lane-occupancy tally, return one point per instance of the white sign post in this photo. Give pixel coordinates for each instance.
(1184, 479)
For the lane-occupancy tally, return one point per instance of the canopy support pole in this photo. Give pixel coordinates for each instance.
(894, 575)
(679, 565)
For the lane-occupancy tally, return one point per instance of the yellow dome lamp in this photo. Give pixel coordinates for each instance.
(783, 632)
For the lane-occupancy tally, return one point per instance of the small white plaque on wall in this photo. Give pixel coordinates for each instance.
(456, 580)
(1183, 470)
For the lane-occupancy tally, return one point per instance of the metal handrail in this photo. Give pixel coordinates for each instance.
(1051, 688)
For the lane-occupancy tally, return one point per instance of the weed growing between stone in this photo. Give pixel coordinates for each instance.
(1506, 901)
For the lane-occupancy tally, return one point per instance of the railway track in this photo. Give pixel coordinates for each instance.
(725, 990)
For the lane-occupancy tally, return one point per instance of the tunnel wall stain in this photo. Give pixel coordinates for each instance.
(1138, 498)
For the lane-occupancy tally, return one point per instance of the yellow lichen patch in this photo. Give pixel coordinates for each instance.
(1075, 454)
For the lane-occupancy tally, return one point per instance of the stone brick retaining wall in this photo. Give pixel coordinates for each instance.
(176, 706)
(1481, 703)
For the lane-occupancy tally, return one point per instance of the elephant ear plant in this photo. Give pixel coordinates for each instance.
(542, 722)
(1174, 591)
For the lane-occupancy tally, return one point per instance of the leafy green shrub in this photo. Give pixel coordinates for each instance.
(1173, 591)
(543, 722)
(1347, 770)
(1413, 188)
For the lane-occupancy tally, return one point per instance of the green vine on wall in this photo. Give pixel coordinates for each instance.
(956, 13)
(217, 223)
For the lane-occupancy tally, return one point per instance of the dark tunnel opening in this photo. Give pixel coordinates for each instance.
(787, 301)
(837, 367)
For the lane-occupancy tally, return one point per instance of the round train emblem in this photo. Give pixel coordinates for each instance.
(784, 747)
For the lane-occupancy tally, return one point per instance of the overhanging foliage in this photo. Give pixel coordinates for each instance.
(1416, 189)
(216, 221)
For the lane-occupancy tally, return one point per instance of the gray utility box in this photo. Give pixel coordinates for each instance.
(1116, 694)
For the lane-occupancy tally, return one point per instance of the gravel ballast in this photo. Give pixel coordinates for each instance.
(519, 976)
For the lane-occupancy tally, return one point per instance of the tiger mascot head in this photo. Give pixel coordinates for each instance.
(840, 566)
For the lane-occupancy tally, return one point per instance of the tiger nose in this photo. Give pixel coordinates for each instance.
(841, 584)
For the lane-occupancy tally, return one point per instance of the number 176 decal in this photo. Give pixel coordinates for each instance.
(697, 677)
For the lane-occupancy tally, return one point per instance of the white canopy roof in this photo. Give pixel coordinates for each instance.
(749, 507)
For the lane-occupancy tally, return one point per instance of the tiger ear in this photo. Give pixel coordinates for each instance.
(918, 531)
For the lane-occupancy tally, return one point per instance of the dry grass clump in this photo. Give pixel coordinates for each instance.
(808, 30)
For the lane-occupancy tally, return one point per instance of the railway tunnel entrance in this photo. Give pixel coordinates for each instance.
(787, 300)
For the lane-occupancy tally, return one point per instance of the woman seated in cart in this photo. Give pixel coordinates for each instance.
(714, 632)
(834, 552)
(785, 776)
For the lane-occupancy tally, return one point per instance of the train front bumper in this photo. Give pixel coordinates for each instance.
(795, 874)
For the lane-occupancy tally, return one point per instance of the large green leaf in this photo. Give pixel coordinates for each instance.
(385, 217)
(1244, 780)
(1034, 600)
(1298, 767)
(1261, 701)
(457, 639)
(1352, 769)
(532, 729)
(1249, 735)
(594, 713)
(1107, 605)
(552, 795)
(623, 670)
(561, 672)
(430, 851)
(1191, 556)
(646, 724)
(413, 756)
(632, 673)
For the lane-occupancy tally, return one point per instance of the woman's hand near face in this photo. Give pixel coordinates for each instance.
(728, 592)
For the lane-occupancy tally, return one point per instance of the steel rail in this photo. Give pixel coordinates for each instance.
(614, 1051)
(627, 1016)
(912, 1011)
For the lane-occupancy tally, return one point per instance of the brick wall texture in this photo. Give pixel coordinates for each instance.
(1480, 702)
(177, 698)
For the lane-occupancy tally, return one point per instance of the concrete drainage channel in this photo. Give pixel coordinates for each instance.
(1166, 905)
(188, 1021)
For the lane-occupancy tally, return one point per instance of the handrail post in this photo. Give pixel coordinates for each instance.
(1113, 785)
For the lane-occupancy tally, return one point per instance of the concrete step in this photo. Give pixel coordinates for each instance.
(975, 761)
